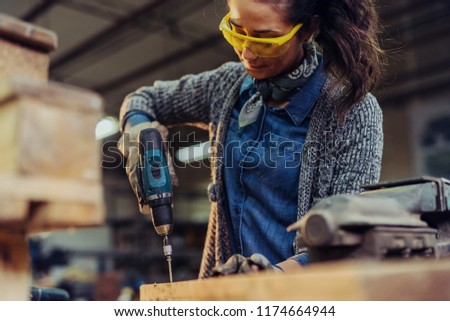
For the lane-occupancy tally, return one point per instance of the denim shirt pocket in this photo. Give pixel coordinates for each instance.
(280, 160)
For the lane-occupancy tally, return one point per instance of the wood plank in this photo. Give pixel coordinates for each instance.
(27, 34)
(48, 216)
(36, 217)
(42, 188)
(15, 277)
(37, 204)
(55, 94)
(341, 281)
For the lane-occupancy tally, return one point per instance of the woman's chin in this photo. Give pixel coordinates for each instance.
(258, 72)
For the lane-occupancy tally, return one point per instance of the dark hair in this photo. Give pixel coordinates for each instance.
(348, 36)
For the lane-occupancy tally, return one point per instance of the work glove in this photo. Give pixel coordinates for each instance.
(238, 264)
(128, 146)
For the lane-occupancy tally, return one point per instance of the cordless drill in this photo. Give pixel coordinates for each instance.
(157, 186)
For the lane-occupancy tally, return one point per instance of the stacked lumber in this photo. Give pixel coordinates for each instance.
(49, 172)
(50, 175)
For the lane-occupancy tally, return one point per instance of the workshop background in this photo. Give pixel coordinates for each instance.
(115, 46)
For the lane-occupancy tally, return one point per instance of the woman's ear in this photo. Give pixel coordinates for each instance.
(312, 31)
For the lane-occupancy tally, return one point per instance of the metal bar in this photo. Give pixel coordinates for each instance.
(156, 65)
(101, 37)
(422, 24)
(403, 10)
(39, 10)
(117, 40)
(411, 92)
(93, 10)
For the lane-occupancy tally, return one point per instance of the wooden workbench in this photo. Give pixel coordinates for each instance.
(354, 281)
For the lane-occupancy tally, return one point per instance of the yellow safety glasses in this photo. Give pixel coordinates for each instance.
(262, 47)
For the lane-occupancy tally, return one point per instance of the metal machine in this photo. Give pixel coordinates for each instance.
(408, 218)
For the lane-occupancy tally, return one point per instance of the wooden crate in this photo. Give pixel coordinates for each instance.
(49, 130)
(24, 48)
(15, 276)
(50, 174)
(407, 280)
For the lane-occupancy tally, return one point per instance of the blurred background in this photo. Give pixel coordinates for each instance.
(115, 46)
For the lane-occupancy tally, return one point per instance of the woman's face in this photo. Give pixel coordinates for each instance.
(259, 19)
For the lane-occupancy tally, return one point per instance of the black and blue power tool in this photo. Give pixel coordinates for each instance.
(157, 186)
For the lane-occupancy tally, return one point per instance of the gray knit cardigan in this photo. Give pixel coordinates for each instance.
(336, 159)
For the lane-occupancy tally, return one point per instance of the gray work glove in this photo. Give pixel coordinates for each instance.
(238, 264)
(127, 145)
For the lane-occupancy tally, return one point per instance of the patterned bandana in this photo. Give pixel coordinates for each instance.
(280, 88)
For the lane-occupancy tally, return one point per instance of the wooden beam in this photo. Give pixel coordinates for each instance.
(341, 281)
(36, 204)
(27, 34)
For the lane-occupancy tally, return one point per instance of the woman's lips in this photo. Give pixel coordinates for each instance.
(255, 67)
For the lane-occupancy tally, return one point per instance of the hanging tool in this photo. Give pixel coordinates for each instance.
(157, 187)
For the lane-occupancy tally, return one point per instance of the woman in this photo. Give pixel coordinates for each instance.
(290, 124)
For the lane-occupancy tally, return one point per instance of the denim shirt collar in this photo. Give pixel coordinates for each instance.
(302, 102)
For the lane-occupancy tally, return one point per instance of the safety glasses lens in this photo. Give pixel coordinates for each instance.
(261, 49)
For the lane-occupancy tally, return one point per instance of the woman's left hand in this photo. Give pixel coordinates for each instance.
(238, 264)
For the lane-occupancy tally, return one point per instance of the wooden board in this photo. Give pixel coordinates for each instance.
(52, 93)
(25, 48)
(15, 276)
(35, 204)
(342, 281)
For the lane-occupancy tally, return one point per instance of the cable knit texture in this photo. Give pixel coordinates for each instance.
(336, 159)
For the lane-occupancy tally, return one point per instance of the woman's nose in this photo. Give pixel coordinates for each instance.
(247, 54)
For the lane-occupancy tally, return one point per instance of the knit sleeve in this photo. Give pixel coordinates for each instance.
(358, 148)
(187, 100)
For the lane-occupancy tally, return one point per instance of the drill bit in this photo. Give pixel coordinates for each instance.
(167, 248)
(169, 262)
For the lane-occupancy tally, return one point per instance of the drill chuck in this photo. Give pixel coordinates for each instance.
(162, 219)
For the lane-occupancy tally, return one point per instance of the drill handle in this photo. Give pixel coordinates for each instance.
(156, 182)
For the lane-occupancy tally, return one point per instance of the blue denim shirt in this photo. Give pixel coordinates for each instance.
(261, 172)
